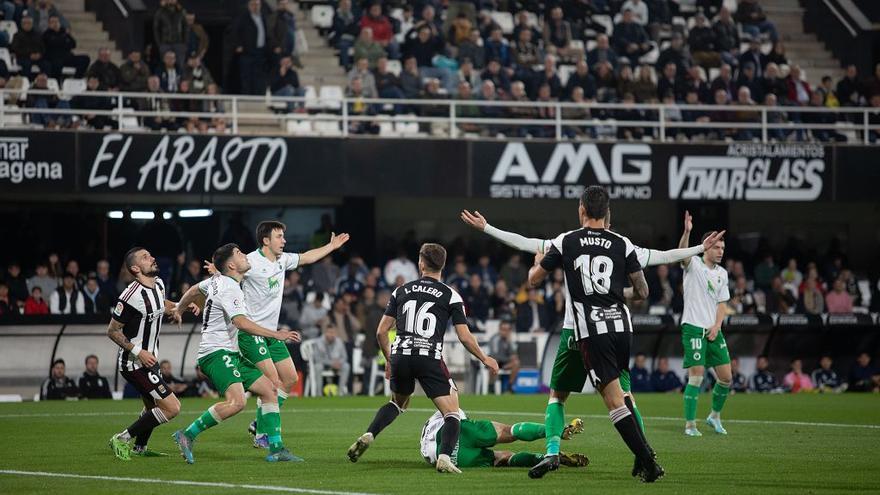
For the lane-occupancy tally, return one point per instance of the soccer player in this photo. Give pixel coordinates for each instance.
(569, 373)
(219, 357)
(421, 310)
(597, 263)
(705, 298)
(135, 324)
(263, 287)
(478, 436)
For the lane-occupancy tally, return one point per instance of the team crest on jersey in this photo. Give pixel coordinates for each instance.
(118, 309)
(710, 287)
(161, 389)
(273, 283)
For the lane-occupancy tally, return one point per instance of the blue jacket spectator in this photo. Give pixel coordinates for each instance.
(640, 378)
(664, 380)
(763, 380)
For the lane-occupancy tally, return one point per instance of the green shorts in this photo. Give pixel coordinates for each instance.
(698, 351)
(473, 444)
(226, 367)
(625, 384)
(256, 349)
(569, 372)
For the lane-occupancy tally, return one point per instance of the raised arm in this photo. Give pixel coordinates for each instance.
(683, 254)
(686, 235)
(317, 254)
(193, 295)
(512, 239)
(470, 343)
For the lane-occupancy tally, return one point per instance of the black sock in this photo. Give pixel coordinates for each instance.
(449, 434)
(629, 405)
(384, 417)
(141, 441)
(145, 423)
(629, 430)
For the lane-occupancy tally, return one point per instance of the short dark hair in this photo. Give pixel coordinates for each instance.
(164, 361)
(265, 228)
(595, 200)
(433, 256)
(222, 255)
(91, 356)
(706, 236)
(129, 258)
(57, 361)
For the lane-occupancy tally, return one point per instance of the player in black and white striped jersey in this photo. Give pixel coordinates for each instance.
(421, 310)
(135, 324)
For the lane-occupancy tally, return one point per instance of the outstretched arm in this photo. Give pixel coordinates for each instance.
(686, 235)
(317, 254)
(683, 253)
(512, 239)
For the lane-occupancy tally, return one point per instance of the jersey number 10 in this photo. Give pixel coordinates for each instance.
(595, 273)
(420, 321)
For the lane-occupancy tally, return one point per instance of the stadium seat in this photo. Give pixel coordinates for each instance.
(591, 44)
(394, 67)
(605, 21)
(313, 386)
(505, 20)
(52, 84)
(322, 16)
(533, 19)
(397, 14)
(129, 122)
(713, 73)
(688, 7)
(327, 124)
(312, 102)
(651, 57)
(576, 45)
(406, 127)
(565, 71)
(72, 87)
(299, 127)
(6, 57)
(10, 27)
(25, 86)
(12, 117)
(377, 375)
(330, 97)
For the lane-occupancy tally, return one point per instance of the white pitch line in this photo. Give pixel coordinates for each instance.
(272, 488)
(476, 412)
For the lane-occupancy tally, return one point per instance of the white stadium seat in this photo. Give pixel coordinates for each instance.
(322, 16)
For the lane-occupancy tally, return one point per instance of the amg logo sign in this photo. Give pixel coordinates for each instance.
(627, 177)
(752, 172)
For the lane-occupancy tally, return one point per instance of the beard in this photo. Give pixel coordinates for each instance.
(152, 272)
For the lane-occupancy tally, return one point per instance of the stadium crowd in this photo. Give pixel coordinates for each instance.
(584, 51)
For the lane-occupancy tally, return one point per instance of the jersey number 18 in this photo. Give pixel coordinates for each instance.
(595, 273)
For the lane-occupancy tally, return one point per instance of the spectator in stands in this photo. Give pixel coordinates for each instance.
(630, 39)
(72, 267)
(431, 21)
(465, 93)
(16, 281)
(513, 272)
(778, 299)
(738, 382)
(158, 104)
(694, 115)
(663, 379)
(849, 89)
(677, 53)
(602, 53)
(763, 380)
(518, 95)
(35, 304)
(202, 385)
(872, 87)
(557, 34)
(170, 30)
(748, 79)
(798, 89)
(401, 266)
(581, 79)
(169, 75)
(549, 76)
(777, 54)
(91, 384)
(661, 288)
(324, 275)
(864, 377)
(838, 300)
(825, 379)
(486, 271)
(476, 299)
(106, 71)
(361, 71)
(639, 10)
(639, 376)
(829, 94)
(497, 48)
(252, 46)
(525, 54)
(503, 305)
(812, 299)
(643, 88)
(67, 298)
(754, 21)
(497, 75)
(34, 100)
(817, 100)
(631, 114)
(314, 315)
(693, 80)
(8, 305)
(133, 73)
(411, 78)
(459, 29)
(472, 50)
(382, 31)
(796, 380)
(285, 82)
(724, 81)
(95, 301)
(485, 23)
(424, 47)
(489, 93)
(523, 23)
(197, 40)
(626, 83)
(530, 315)
(89, 100)
(41, 12)
(29, 50)
(459, 278)
(59, 45)
(367, 48)
(345, 30)
(503, 348)
(58, 386)
(467, 73)
(773, 84)
(373, 312)
(387, 83)
(331, 355)
(670, 82)
(765, 272)
(703, 43)
(742, 301)
(727, 37)
(178, 386)
(42, 279)
(282, 31)
(754, 56)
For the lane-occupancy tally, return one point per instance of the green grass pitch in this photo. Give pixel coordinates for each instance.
(804, 444)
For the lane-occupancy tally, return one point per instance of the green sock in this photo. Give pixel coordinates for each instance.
(527, 432)
(635, 411)
(282, 396)
(259, 417)
(271, 426)
(719, 396)
(554, 423)
(208, 419)
(691, 393)
(524, 459)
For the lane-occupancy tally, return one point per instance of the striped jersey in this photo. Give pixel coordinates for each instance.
(140, 310)
(224, 300)
(423, 309)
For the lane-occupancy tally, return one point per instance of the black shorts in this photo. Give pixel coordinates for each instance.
(149, 383)
(605, 356)
(431, 374)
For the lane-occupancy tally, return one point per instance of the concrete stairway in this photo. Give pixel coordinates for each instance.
(87, 30)
(801, 48)
(320, 64)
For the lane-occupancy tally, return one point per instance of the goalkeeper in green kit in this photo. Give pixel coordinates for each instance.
(569, 372)
(705, 297)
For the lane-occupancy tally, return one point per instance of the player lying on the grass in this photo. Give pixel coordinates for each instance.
(421, 310)
(134, 326)
(569, 373)
(223, 315)
(263, 287)
(478, 436)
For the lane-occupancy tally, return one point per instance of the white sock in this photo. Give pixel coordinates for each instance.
(715, 415)
(124, 436)
(690, 424)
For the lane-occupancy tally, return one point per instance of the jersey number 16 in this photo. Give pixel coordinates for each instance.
(595, 273)
(420, 321)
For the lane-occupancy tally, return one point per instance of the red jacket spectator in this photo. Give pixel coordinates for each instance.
(382, 30)
(35, 306)
(798, 91)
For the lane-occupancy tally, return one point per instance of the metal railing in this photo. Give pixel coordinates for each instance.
(449, 118)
